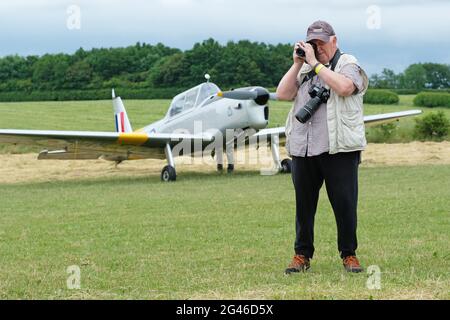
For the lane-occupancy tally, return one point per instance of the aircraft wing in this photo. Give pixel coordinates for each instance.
(368, 120)
(389, 117)
(271, 132)
(96, 144)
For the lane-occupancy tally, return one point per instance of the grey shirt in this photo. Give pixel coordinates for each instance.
(311, 138)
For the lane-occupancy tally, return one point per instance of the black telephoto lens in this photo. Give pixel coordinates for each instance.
(305, 113)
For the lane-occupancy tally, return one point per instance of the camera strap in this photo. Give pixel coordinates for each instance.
(335, 59)
(333, 64)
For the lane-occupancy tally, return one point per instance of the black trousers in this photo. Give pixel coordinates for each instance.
(340, 173)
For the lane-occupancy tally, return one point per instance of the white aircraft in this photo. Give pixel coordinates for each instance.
(198, 122)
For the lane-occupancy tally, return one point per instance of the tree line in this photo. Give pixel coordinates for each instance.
(143, 65)
(417, 76)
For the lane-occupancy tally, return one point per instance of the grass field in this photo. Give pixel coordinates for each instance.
(97, 116)
(209, 235)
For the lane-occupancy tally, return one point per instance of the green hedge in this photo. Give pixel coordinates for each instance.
(416, 91)
(432, 99)
(380, 96)
(97, 94)
(433, 126)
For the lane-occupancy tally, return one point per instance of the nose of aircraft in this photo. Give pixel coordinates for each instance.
(259, 94)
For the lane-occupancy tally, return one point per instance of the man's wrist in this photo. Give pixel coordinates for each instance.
(298, 63)
(313, 63)
(314, 66)
(318, 67)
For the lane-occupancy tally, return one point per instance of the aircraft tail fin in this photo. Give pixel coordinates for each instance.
(120, 115)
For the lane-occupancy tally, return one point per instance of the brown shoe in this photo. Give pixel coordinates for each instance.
(299, 263)
(351, 264)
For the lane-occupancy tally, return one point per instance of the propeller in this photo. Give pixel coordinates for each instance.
(259, 94)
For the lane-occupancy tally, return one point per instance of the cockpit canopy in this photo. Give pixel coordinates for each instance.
(192, 98)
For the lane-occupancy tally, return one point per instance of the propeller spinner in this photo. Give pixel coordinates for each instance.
(259, 94)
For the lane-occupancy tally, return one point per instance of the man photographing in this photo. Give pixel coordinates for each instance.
(324, 135)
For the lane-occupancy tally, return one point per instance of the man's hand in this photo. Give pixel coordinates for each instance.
(310, 56)
(297, 59)
(288, 86)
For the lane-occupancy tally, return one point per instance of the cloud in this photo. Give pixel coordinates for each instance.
(409, 31)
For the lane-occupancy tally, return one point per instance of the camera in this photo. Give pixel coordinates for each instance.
(319, 95)
(301, 53)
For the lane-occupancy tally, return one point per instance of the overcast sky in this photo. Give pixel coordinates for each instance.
(380, 33)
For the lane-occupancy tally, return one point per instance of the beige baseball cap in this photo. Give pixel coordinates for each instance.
(320, 30)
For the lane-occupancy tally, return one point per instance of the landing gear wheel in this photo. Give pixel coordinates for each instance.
(286, 165)
(168, 173)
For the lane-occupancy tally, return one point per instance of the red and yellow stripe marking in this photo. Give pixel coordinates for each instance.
(132, 138)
